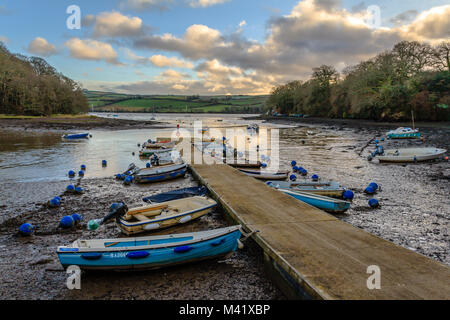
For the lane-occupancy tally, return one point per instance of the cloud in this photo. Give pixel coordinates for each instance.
(41, 47)
(159, 60)
(88, 20)
(92, 50)
(403, 17)
(242, 23)
(4, 39)
(205, 3)
(142, 5)
(115, 24)
(174, 75)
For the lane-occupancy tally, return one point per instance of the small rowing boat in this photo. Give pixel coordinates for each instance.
(150, 252)
(327, 204)
(322, 188)
(164, 215)
(76, 136)
(147, 153)
(160, 173)
(168, 144)
(411, 154)
(265, 174)
(176, 194)
(403, 133)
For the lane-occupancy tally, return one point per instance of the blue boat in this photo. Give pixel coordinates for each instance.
(322, 188)
(150, 252)
(76, 136)
(324, 203)
(176, 194)
(161, 173)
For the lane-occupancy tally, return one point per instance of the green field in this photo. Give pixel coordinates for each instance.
(106, 101)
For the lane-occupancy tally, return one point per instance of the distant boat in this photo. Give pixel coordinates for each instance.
(265, 175)
(243, 163)
(150, 252)
(167, 144)
(411, 154)
(164, 215)
(321, 202)
(403, 133)
(76, 136)
(323, 188)
(147, 153)
(176, 194)
(160, 173)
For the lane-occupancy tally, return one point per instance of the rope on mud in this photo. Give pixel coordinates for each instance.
(364, 148)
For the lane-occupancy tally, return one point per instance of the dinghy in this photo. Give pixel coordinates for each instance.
(321, 202)
(160, 173)
(243, 163)
(147, 153)
(322, 188)
(164, 215)
(176, 194)
(403, 133)
(76, 136)
(150, 252)
(411, 154)
(265, 175)
(158, 144)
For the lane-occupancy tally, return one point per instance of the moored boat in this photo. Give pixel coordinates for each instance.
(76, 136)
(403, 133)
(243, 163)
(411, 154)
(327, 204)
(149, 252)
(176, 194)
(160, 173)
(166, 144)
(147, 153)
(265, 174)
(323, 188)
(164, 215)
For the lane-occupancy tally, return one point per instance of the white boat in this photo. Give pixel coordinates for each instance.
(265, 174)
(403, 133)
(411, 154)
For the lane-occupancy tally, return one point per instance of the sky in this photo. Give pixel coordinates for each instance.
(212, 47)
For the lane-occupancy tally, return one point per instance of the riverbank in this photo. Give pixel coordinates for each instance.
(349, 123)
(83, 122)
(35, 273)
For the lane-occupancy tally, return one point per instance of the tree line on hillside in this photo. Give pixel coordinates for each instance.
(30, 86)
(413, 76)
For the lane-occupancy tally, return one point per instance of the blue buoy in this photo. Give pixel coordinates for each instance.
(292, 177)
(295, 168)
(70, 188)
(81, 173)
(373, 203)
(348, 195)
(304, 172)
(293, 163)
(315, 177)
(66, 222)
(26, 229)
(118, 176)
(415, 159)
(382, 139)
(376, 141)
(83, 167)
(71, 173)
(55, 202)
(104, 163)
(127, 181)
(264, 165)
(77, 218)
(369, 190)
(373, 185)
(147, 165)
(79, 190)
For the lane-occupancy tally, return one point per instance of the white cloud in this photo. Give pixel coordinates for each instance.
(205, 3)
(115, 24)
(92, 50)
(42, 47)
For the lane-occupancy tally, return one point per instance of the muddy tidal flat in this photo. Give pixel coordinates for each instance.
(414, 212)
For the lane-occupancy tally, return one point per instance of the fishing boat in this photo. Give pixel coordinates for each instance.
(160, 173)
(403, 133)
(167, 144)
(76, 136)
(265, 174)
(176, 194)
(149, 252)
(327, 204)
(164, 215)
(147, 153)
(322, 188)
(411, 154)
(243, 163)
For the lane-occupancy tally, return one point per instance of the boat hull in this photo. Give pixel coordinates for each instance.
(327, 189)
(76, 136)
(406, 155)
(415, 135)
(265, 175)
(162, 177)
(321, 202)
(177, 250)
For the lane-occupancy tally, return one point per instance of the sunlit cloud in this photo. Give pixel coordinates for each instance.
(92, 50)
(41, 47)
